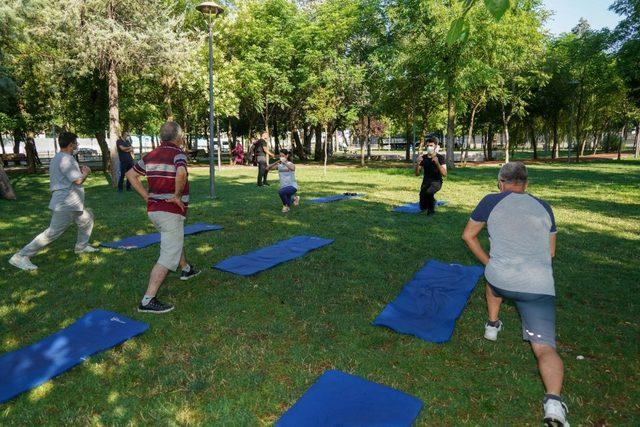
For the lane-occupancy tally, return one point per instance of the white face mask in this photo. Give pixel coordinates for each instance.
(431, 149)
(283, 159)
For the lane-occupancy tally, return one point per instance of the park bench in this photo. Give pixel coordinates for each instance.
(17, 159)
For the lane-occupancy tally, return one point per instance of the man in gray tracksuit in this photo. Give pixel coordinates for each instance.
(67, 204)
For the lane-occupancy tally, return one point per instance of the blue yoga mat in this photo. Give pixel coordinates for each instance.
(96, 331)
(270, 256)
(335, 198)
(144, 240)
(430, 303)
(340, 399)
(414, 208)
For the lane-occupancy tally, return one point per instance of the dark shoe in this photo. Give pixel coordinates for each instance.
(267, 184)
(431, 212)
(155, 307)
(191, 274)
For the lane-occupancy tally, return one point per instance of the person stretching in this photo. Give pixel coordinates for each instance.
(518, 268)
(288, 184)
(434, 169)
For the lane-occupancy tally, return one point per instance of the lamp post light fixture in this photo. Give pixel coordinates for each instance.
(211, 9)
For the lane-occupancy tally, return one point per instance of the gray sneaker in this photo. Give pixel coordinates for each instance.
(22, 262)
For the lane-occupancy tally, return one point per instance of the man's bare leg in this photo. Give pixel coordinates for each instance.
(493, 304)
(550, 366)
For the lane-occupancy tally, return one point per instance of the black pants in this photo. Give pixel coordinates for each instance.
(427, 195)
(262, 172)
(124, 167)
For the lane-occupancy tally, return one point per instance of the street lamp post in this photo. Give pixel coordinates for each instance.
(211, 9)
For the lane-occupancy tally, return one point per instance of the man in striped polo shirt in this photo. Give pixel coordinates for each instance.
(167, 201)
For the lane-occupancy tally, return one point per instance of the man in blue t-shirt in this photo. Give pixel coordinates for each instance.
(522, 233)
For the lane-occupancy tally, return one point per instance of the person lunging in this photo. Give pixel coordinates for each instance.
(288, 184)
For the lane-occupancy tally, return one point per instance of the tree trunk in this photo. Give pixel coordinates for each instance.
(275, 135)
(470, 134)
(104, 149)
(220, 143)
(17, 137)
(299, 148)
(555, 147)
(368, 138)
(490, 136)
(307, 133)
(29, 148)
(114, 122)
(6, 190)
(483, 141)
(505, 123)
(534, 140)
(407, 147)
(636, 142)
(318, 148)
(624, 140)
(4, 152)
(451, 129)
(326, 146)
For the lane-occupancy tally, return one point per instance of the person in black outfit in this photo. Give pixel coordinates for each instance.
(125, 155)
(260, 153)
(434, 168)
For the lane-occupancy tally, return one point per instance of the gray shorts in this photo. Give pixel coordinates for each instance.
(537, 313)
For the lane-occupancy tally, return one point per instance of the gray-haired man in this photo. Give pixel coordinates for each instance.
(167, 203)
(67, 204)
(518, 268)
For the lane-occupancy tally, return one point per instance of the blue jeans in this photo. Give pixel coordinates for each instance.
(286, 195)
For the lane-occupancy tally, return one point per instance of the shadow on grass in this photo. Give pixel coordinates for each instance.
(241, 350)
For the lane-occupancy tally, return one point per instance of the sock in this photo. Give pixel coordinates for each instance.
(493, 324)
(187, 268)
(551, 396)
(145, 300)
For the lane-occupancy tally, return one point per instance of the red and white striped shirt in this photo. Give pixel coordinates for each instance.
(160, 167)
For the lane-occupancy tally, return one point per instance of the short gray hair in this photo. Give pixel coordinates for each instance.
(170, 131)
(513, 173)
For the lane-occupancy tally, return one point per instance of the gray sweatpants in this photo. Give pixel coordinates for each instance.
(60, 221)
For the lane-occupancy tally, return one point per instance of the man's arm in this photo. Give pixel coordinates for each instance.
(418, 166)
(134, 179)
(85, 173)
(552, 244)
(440, 166)
(181, 181)
(470, 237)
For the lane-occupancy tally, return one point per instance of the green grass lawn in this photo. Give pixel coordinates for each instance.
(240, 351)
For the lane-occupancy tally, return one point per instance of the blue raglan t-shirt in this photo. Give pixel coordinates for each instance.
(519, 227)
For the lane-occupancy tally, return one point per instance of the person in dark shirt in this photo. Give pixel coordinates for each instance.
(125, 156)
(434, 168)
(260, 153)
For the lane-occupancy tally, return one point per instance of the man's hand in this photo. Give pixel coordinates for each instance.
(435, 160)
(176, 200)
(86, 170)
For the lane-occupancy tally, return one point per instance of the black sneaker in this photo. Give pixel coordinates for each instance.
(155, 306)
(191, 274)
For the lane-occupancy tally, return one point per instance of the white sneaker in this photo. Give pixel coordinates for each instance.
(285, 209)
(22, 262)
(296, 201)
(555, 413)
(87, 250)
(491, 332)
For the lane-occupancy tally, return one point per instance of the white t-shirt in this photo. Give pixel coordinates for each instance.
(287, 177)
